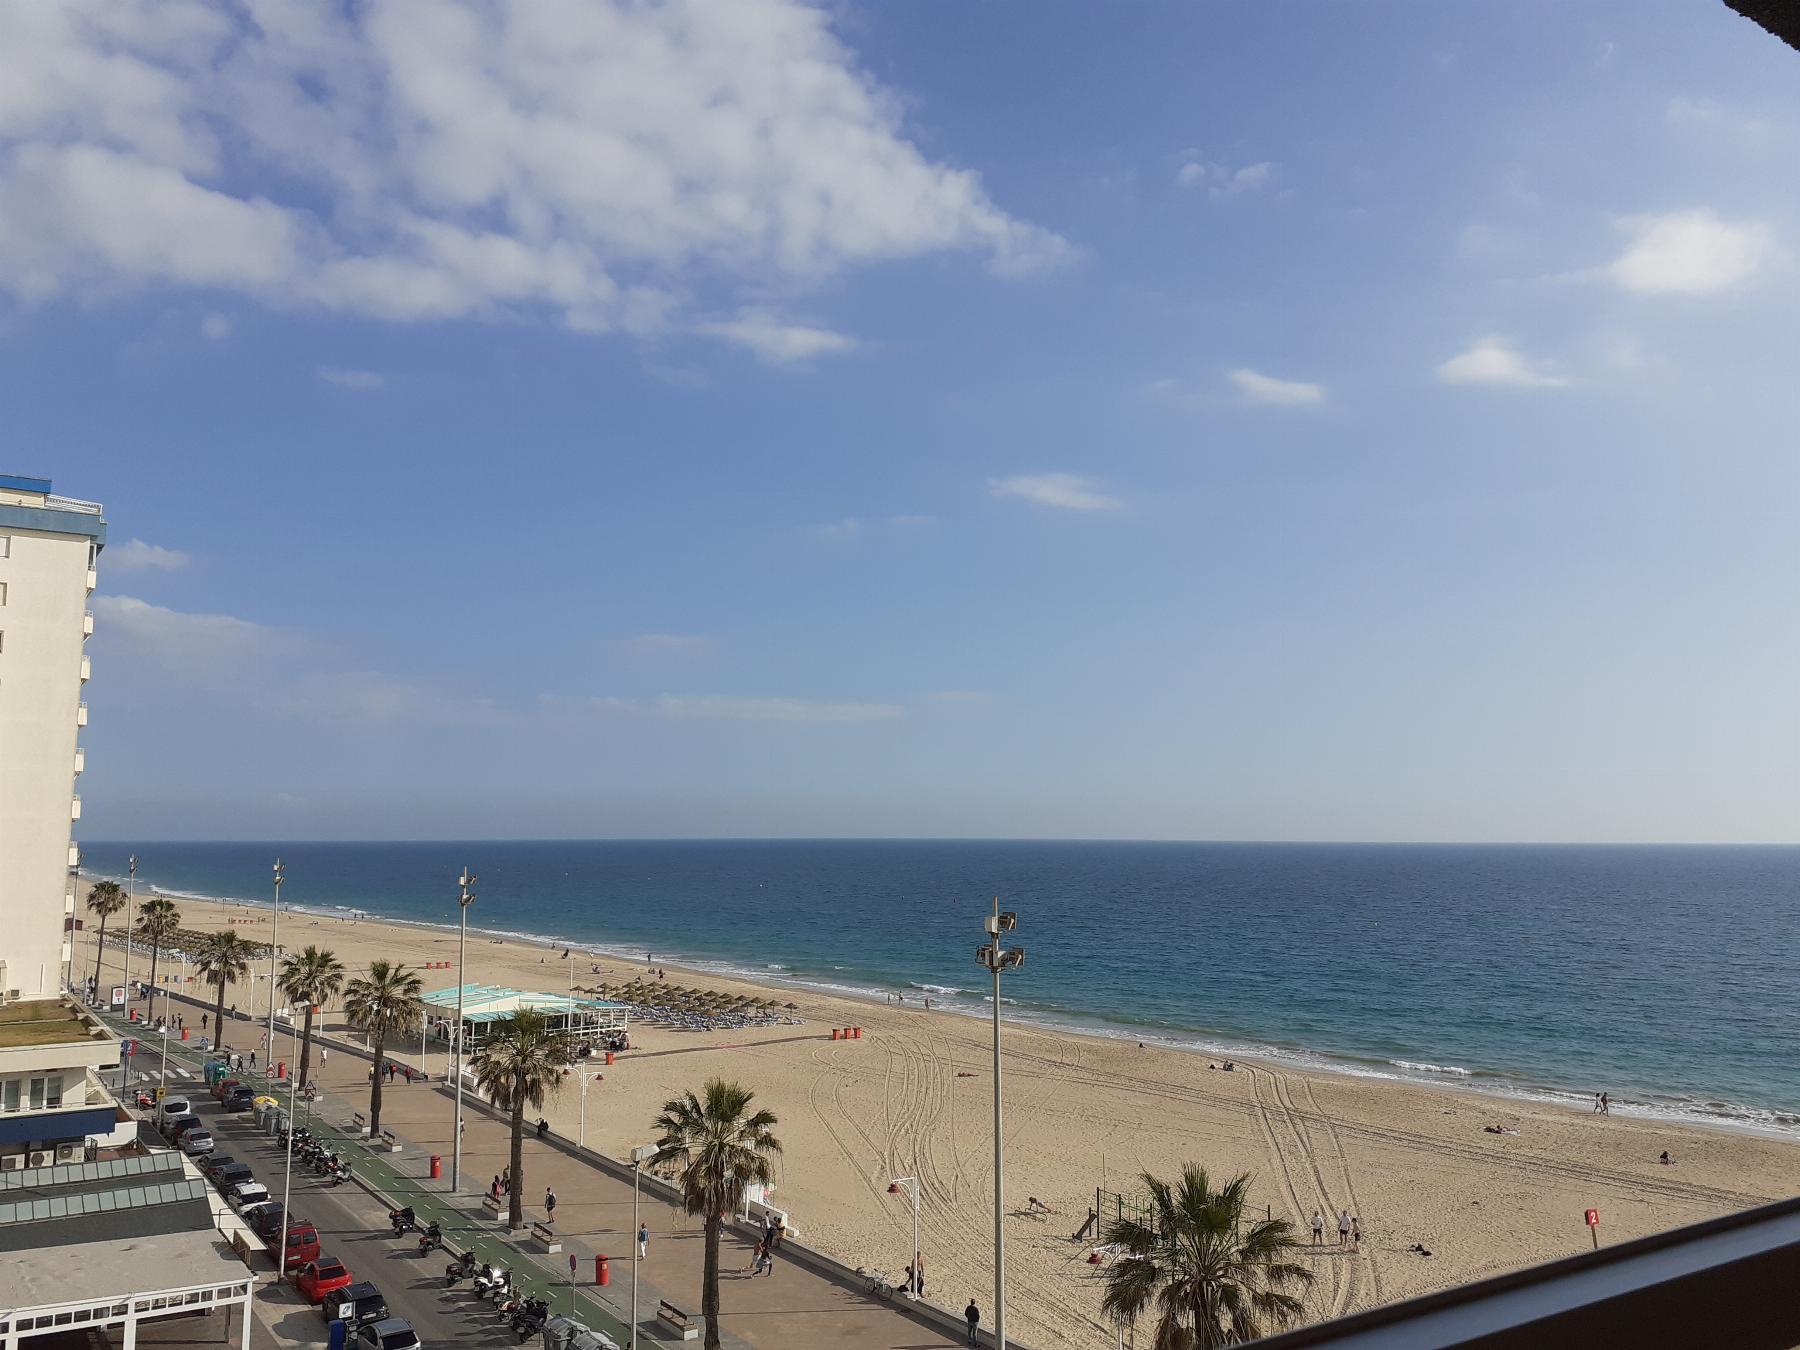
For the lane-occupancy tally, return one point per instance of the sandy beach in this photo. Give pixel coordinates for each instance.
(914, 1097)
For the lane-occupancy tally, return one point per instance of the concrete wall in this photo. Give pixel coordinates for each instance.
(44, 573)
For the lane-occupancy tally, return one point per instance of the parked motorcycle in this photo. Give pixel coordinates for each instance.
(464, 1267)
(494, 1284)
(402, 1220)
(339, 1174)
(431, 1240)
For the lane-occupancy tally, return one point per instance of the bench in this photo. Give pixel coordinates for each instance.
(385, 1142)
(545, 1234)
(359, 1125)
(492, 1203)
(685, 1326)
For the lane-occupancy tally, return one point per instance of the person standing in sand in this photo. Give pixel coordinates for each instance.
(1318, 1228)
(1344, 1228)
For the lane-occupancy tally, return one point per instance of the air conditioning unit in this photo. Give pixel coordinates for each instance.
(11, 1162)
(40, 1157)
(71, 1152)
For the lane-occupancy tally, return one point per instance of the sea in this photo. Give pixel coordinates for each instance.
(1668, 977)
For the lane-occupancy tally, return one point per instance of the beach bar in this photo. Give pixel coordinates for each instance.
(593, 1023)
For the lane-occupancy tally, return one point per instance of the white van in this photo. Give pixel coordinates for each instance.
(171, 1107)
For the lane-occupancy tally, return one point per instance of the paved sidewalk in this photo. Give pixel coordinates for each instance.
(792, 1309)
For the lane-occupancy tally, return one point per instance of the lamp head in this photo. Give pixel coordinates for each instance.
(893, 1188)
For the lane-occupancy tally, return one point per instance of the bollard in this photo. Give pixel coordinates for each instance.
(437, 1166)
(834, 1033)
(609, 1057)
(281, 1069)
(602, 1272)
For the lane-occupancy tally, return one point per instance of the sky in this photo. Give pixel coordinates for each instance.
(1220, 421)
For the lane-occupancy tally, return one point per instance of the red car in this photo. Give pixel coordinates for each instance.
(318, 1278)
(302, 1243)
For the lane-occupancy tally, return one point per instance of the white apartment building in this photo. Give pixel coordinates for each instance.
(48, 549)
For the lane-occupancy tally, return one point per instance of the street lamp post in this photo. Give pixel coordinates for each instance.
(912, 1185)
(467, 897)
(130, 910)
(287, 1186)
(585, 1075)
(163, 1090)
(639, 1156)
(274, 922)
(997, 958)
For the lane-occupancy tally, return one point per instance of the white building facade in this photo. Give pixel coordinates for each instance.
(49, 548)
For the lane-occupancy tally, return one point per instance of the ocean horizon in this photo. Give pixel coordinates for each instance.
(1659, 973)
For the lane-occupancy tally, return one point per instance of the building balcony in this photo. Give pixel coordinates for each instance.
(74, 856)
(87, 670)
(81, 714)
(80, 761)
(93, 580)
(87, 624)
(75, 809)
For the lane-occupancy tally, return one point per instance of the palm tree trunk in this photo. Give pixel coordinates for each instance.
(150, 1002)
(100, 956)
(515, 1212)
(306, 1044)
(219, 1017)
(709, 1286)
(379, 1046)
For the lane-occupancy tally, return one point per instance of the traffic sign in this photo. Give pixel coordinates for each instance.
(1593, 1218)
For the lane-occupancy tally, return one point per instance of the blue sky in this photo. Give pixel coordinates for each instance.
(1228, 421)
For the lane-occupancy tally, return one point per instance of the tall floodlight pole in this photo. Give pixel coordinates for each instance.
(997, 958)
(464, 900)
(130, 911)
(912, 1185)
(274, 921)
(287, 1186)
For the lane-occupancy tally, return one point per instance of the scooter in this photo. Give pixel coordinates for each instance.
(402, 1220)
(499, 1287)
(339, 1174)
(431, 1240)
(460, 1269)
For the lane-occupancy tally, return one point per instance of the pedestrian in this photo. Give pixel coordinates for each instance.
(506, 1179)
(972, 1315)
(643, 1241)
(780, 1233)
(1344, 1228)
(204, 1018)
(323, 1053)
(756, 1257)
(1356, 1230)
(543, 1127)
(371, 1073)
(494, 1187)
(1597, 1103)
(1605, 1104)
(253, 1061)
(549, 1205)
(1318, 1228)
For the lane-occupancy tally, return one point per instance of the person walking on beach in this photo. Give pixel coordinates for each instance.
(1344, 1228)
(972, 1315)
(1318, 1228)
(643, 1241)
(1356, 1231)
(1605, 1104)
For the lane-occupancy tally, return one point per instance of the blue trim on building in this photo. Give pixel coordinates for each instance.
(49, 1127)
(20, 483)
(53, 522)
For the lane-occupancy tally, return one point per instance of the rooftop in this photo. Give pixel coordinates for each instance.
(44, 1022)
(484, 1002)
(115, 1269)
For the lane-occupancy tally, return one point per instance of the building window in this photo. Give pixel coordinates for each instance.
(5, 545)
(2, 592)
(10, 1100)
(53, 1095)
(37, 1094)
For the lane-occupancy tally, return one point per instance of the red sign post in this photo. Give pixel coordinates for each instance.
(1593, 1223)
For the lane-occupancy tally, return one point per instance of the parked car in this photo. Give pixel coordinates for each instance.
(391, 1333)
(265, 1219)
(176, 1126)
(171, 1107)
(239, 1099)
(210, 1165)
(246, 1193)
(318, 1278)
(355, 1304)
(232, 1174)
(302, 1243)
(197, 1143)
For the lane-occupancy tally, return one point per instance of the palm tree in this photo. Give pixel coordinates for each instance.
(105, 898)
(719, 1147)
(1213, 1280)
(157, 922)
(521, 1062)
(386, 1000)
(312, 976)
(223, 958)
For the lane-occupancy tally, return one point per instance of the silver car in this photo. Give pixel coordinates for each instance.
(390, 1333)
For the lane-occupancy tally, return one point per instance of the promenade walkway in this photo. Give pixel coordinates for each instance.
(793, 1308)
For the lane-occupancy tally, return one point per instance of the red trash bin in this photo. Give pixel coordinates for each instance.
(602, 1272)
(281, 1069)
(609, 1057)
(437, 1166)
(184, 1033)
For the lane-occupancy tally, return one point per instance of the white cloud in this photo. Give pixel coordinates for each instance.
(215, 647)
(134, 555)
(1221, 182)
(668, 644)
(1689, 253)
(1493, 360)
(216, 327)
(1269, 391)
(742, 708)
(847, 528)
(1071, 492)
(594, 163)
(911, 522)
(775, 340)
(352, 379)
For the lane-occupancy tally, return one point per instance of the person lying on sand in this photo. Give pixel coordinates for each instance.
(1497, 1129)
(1037, 1206)
(1421, 1250)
